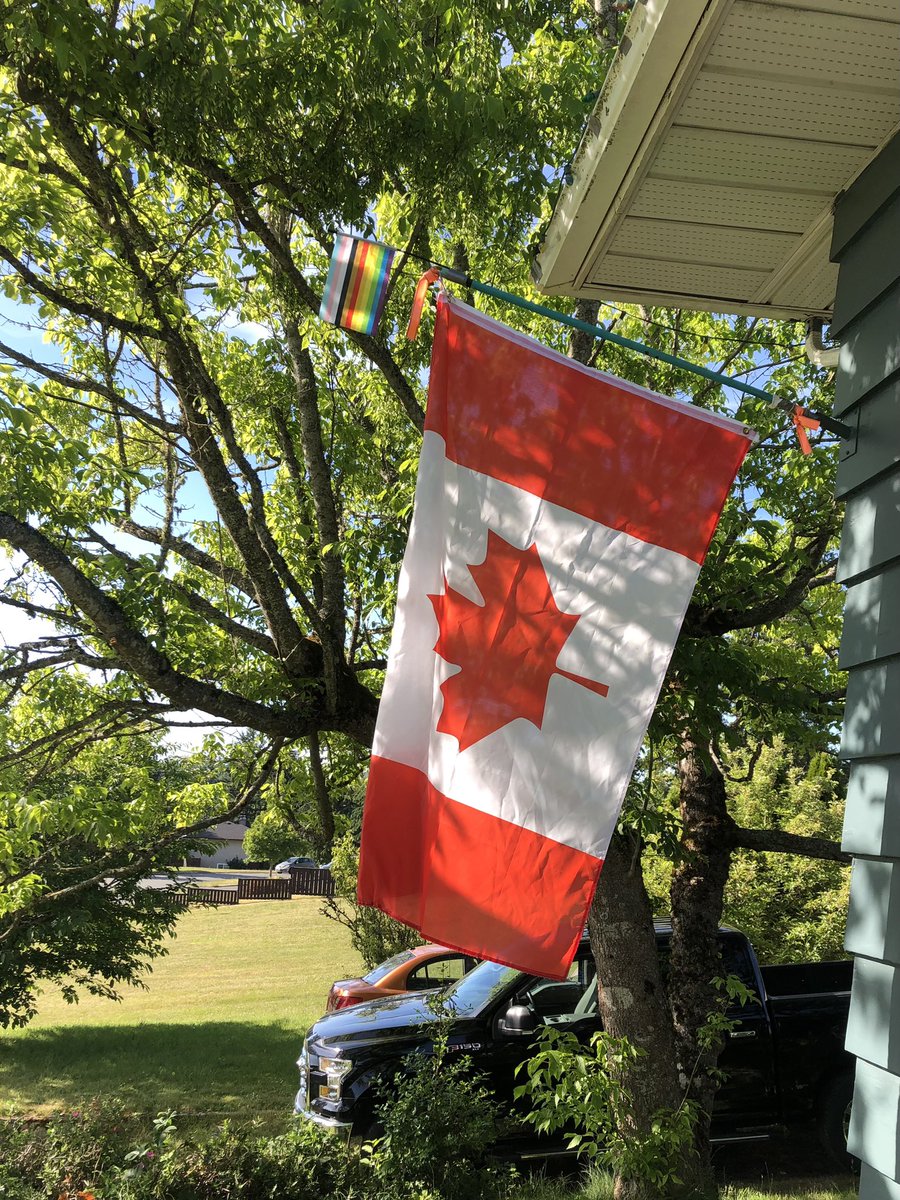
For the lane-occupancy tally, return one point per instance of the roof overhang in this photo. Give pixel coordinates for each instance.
(725, 129)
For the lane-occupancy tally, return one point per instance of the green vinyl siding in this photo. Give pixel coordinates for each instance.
(870, 351)
(866, 245)
(872, 821)
(872, 618)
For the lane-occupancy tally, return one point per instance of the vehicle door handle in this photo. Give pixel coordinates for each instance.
(742, 1033)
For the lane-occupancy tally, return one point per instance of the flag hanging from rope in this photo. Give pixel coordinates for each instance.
(356, 287)
(560, 522)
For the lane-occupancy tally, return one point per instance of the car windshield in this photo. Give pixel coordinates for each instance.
(378, 973)
(477, 989)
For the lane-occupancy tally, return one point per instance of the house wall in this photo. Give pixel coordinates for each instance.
(224, 851)
(866, 245)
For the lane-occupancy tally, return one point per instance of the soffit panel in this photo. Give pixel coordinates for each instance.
(723, 198)
(877, 10)
(813, 287)
(810, 112)
(714, 245)
(838, 51)
(754, 161)
(655, 276)
(709, 203)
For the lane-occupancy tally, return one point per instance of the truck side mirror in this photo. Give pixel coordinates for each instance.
(516, 1022)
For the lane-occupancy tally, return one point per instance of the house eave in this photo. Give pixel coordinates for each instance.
(707, 175)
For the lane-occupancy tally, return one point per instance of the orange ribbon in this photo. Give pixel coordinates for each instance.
(801, 423)
(432, 275)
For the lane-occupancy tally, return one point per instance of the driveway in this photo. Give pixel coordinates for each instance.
(204, 878)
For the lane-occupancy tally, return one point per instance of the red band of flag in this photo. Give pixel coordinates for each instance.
(487, 885)
(562, 432)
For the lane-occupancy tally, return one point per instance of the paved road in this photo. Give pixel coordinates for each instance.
(199, 878)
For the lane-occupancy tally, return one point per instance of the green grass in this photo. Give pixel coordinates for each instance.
(599, 1186)
(217, 1031)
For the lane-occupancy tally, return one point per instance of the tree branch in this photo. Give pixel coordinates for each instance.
(192, 554)
(332, 612)
(139, 653)
(79, 384)
(781, 842)
(705, 621)
(198, 603)
(376, 352)
(145, 858)
(134, 329)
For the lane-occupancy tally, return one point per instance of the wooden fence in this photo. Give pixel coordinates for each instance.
(205, 895)
(264, 889)
(309, 881)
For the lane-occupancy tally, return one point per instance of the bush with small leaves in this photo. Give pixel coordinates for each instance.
(580, 1091)
(437, 1130)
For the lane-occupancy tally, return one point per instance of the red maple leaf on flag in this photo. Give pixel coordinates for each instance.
(506, 648)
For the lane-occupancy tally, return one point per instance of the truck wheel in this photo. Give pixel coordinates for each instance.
(373, 1131)
(834, 1120)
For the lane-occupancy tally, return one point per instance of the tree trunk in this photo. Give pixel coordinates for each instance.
(697, 893)
(632, 996)
(324, 809)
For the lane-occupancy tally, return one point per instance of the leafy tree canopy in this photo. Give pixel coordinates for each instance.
(270, 839)
(207, 491)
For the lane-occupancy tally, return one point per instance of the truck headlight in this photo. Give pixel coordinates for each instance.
(334, 1070)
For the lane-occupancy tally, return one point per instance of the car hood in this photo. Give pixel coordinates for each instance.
(391, 1017)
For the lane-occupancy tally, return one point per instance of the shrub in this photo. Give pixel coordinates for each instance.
(21, 1157)
(436, 1136)
(305, 1163)
(375, 936)
(580, 1092)
(81, 1148)
(438, 1129)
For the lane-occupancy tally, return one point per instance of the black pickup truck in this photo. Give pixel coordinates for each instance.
(785, 1061)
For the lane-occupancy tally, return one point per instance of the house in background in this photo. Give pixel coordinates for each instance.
(744, 157)
(228, 839)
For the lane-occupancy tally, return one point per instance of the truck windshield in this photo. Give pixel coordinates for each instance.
(477, 989)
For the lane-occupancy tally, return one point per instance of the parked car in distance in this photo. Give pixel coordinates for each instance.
(417, 970)
(296, 864)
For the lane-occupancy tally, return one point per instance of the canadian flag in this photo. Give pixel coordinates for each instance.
(560, 521)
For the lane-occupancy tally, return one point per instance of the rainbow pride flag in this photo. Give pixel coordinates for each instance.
(356, 287)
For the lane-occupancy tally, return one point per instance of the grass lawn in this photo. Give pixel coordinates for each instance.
(600, 1187)
(217, 1031)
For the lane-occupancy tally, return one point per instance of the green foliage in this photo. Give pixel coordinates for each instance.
(585, 1094)
(437, 1131)
(80, 825)
(305, 1163)
(729, 992)
(106, 1152)
(434, 1148)
(793, 909)
(95, 939)
(375, 936)
(270, 839)
(81, 1149)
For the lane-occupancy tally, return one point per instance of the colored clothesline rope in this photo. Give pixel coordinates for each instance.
(800, 418)
(704, 338)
